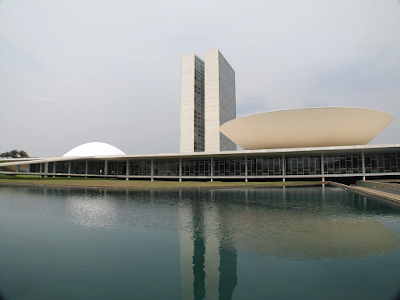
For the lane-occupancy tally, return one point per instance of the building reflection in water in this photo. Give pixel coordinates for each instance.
(208, 257)
(92, 208)
(215, 225)
(299, 224)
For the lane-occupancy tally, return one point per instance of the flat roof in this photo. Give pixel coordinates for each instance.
(274, 152)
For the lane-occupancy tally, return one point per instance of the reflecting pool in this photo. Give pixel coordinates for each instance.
(259, 243)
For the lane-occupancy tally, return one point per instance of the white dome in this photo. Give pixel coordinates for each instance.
(94, 149)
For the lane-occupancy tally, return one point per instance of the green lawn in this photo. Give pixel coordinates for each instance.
(136, 184)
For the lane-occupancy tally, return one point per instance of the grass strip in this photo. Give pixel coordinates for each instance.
(139, 184)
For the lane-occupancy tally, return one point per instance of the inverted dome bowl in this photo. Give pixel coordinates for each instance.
(307, 127)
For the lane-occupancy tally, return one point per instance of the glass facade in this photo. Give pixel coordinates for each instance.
(198, 106)
(342, 164)
(62, 166)
(50, 167)
(78, 167)
(140, 168)
(264, 166)
(230, 167)
(303, 165)
(233, 166)
(382, 163)
(196, 167)
(96, 167)
(116, 168)
(166, 167)
(35, 168)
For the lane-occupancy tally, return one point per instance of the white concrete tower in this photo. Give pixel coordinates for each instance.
(219, 101)
(192, 104)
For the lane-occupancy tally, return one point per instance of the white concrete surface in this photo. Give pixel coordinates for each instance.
(220, 100)
(93, 149)
(307, 127)
(187, 103)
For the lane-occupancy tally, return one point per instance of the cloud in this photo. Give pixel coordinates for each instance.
(315, 103)
(94, 123)
(251, 105)
(46, 100)
(376, 73)
(119, 64)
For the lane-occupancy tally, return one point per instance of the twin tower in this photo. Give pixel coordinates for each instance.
(208, 100)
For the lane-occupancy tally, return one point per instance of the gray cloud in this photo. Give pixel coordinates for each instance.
(252, 105)
(45, 100)
(94, 123)
(118, 64)
(315, 104)
(373, 74)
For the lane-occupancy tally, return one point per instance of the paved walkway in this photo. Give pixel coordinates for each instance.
(392, 191)
(385, 196)
(384, 186)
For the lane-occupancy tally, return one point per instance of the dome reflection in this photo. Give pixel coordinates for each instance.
(89, 211)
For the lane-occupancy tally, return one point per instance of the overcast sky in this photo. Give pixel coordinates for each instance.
(81, 71)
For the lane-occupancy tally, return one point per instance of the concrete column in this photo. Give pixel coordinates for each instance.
(245, 168)
(106, 167)
(69, 169)
(212, 168)
(86, 168)
(152, 169)
(283, 168)
(180, 169)
(54, 168)
(322, 167)
(363, 164)
(45, 169)
(127, 169)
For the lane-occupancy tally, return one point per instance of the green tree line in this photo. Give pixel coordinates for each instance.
(14, 154)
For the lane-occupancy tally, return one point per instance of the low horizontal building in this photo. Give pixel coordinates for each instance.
(296, 144)
(317, 163)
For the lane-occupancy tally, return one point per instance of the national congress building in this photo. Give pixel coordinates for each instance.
(208, 100)
(298, 144)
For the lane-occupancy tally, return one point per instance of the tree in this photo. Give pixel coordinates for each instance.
(5, 154)
(14, 153)
(23, 154)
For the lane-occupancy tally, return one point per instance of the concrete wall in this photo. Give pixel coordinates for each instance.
(378, 185)
(219, 99)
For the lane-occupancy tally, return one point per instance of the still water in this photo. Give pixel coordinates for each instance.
(275, 243)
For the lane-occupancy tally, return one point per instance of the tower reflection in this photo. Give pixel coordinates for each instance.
(208, 257)
(300, 224)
